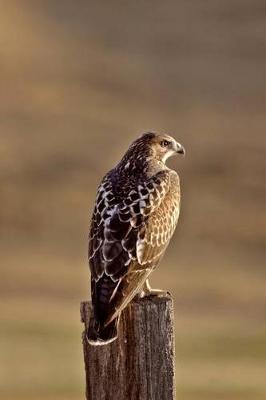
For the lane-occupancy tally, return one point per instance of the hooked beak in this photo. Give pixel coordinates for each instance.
(180, 149)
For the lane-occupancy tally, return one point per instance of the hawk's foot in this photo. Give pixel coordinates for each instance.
(148, 291)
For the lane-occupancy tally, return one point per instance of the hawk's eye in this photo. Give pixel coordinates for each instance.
(164, 143)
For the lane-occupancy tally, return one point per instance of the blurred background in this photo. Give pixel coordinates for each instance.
(80, 81)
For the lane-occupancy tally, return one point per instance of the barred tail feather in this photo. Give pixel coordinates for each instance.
(98, 335)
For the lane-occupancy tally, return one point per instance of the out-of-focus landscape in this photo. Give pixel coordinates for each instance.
(79, 81)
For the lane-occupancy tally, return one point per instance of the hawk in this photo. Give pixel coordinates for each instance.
(135, 215)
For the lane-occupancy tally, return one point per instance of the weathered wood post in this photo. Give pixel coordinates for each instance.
(139, 365)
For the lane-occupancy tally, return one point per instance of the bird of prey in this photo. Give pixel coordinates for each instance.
(135, 215)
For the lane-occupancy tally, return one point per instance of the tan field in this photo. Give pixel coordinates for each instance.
(79, 81)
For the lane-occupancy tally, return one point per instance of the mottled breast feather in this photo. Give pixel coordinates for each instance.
(129, 233)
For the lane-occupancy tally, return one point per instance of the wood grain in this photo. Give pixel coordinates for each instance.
(139, 365)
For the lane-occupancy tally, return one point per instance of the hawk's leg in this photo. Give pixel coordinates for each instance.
(148, 291)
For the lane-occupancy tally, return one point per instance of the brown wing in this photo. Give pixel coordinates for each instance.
(153, 239)
(119, 233)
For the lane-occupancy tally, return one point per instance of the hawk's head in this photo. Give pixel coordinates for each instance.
(158, 146)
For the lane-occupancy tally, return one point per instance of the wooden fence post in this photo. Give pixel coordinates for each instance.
(139, 365)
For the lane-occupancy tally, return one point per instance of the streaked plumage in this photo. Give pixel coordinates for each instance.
(135, 215)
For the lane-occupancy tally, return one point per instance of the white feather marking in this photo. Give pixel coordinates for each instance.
(142, 204)
(140, 250)
(115, 290)
(95, 250)
(100, 342)
(110, 276)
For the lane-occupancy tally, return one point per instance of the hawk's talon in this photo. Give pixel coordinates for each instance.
(148, 291)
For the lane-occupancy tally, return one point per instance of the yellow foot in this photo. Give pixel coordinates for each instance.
(148, 291)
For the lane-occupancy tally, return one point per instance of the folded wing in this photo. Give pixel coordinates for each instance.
(128, 238)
